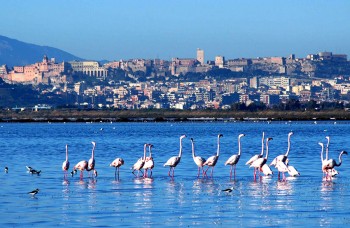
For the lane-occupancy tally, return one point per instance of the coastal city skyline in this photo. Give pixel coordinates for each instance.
(116, 30)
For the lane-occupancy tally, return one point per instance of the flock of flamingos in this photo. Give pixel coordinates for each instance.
(258, 161)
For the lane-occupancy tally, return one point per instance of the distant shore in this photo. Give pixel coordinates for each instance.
(158, 115)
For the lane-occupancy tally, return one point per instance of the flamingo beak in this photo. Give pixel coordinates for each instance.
(344, 152)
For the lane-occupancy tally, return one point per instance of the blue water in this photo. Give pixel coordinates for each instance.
(183, 201)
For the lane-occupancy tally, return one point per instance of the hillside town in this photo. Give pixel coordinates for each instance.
(186, 83)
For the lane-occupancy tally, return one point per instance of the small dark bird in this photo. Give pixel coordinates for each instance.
(6, 169)
(34, 192)
(72, 173)
(33, 171)
(228, 189)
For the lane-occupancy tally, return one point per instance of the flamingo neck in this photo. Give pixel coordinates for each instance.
(327, 147)
(144, 151)
(150, 151)
(267, 149)
(288, 146)
(180, 152)
(218, 150)
(66, 153)
(193, 153)
(239, 145)
(340, 160)
(93, 151)
(262, 144)
(322, 153)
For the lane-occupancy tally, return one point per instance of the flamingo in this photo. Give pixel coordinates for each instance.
(282, 157)
(117, 163)
(211, 161)
(331, 163)
(149, 163)
(282, 168)
(292, 171)
(65, 165)
(333, 172)
(252, 159)
(174, 161)
(257, 156)
(82, 165)
(233, 160)
(140, 163)
(91, 163)
(197, 159)
(260, 162)
(266, 170)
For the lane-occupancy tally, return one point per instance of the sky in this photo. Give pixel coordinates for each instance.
(114, 30)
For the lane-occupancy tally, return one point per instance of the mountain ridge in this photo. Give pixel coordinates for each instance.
(18, 53)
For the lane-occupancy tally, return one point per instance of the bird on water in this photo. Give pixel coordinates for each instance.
(34, 192)
(228, 190)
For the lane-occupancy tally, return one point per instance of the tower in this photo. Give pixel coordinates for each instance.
(200, 56)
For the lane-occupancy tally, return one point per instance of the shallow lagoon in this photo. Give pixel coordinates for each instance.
(183, 201)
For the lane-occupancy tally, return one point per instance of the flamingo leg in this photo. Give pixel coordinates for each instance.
(173, 171)
(234, 172)
(203, 173)
(231, 172)
(206, 170)
(151, 173)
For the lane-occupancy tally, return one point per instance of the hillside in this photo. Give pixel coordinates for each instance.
(18, 53)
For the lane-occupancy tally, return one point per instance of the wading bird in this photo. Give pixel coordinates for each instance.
(65, 165)
(174, 161)
(252, 159)
(149, 163)
(258, 164)
(140, 163)
(197, 159)
(91, 163)
(282, 157)
(34, 192)
(117, 163)
(211, 161)
(331, 163)
(233, 160)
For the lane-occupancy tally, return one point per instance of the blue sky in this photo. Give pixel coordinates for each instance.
(113, 30)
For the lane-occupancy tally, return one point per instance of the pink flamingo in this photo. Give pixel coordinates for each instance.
(140, 163)
(197, 159)
(329, 165)
(233, 160)
(117, 163)
(149, 163)
(333, 171)
(255, 157)
(174, 161)
(82, 165)
(282, 158)
(211, 161)
(91, 163)
(258, 164)
(65, 165)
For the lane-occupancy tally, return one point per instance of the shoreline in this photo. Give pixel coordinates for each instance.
(69, 115)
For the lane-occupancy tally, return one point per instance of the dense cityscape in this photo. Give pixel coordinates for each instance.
(182, 83)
